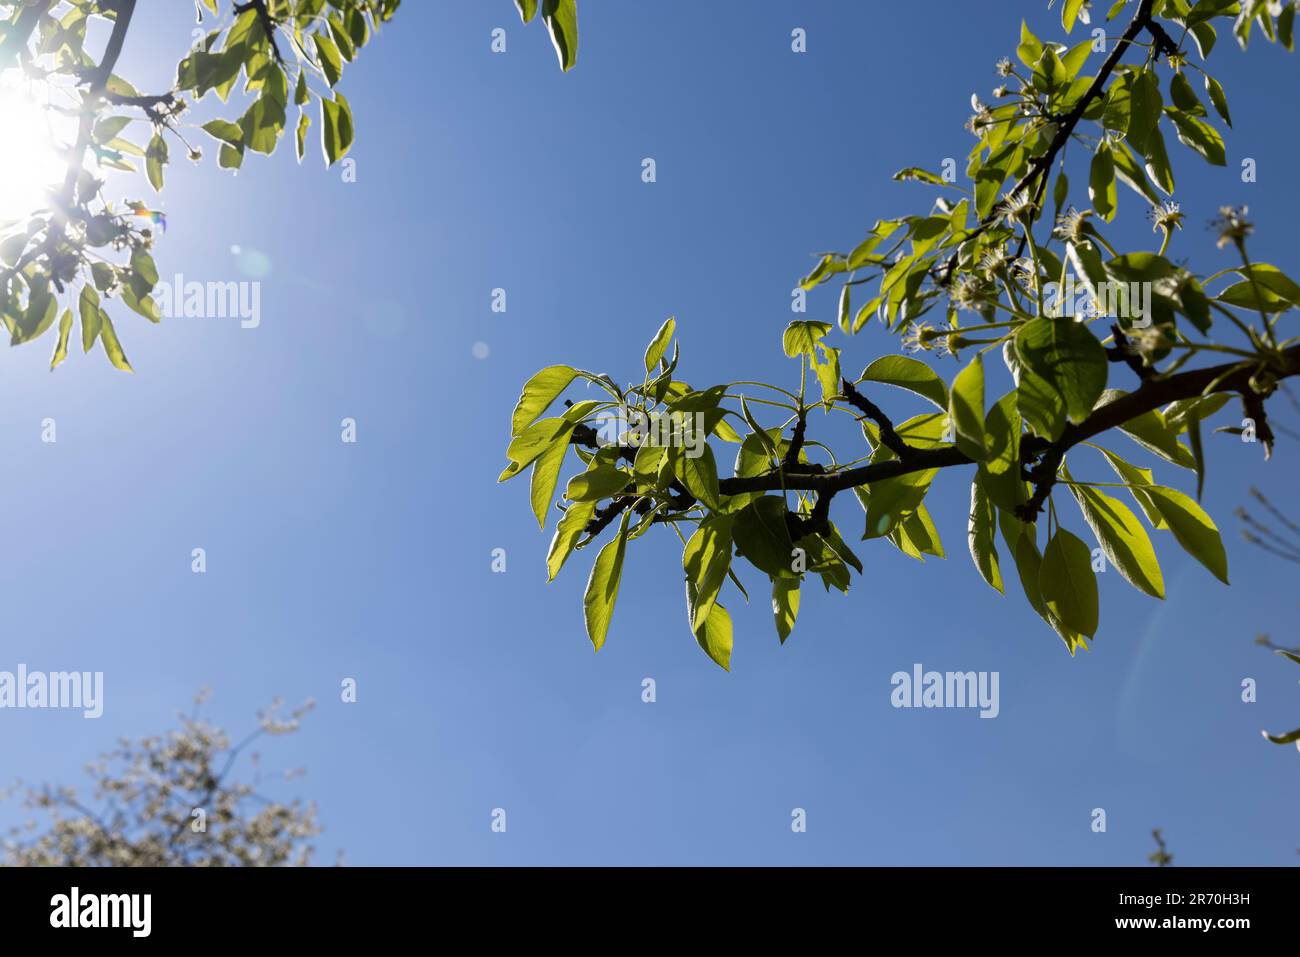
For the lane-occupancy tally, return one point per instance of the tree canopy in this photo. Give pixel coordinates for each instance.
(1011, 266)
(77, 253)
(171, 800)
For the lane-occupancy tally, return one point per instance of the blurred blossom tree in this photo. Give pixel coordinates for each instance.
(1095, 340)
(170, 800)
(67, 252)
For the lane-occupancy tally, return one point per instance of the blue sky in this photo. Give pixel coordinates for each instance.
(480, 690)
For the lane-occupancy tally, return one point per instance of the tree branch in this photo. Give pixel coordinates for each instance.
(1150, 396)
(888, 437)
(1041, 166)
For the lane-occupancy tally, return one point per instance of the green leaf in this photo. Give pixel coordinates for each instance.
(1144, 110)
(826, 366)
(263, 122)
(155, 160)
(761, 436)
(1000, 471)
(602, 586)
(1069, 13)
(1040, 405)
(300, 135)
(230, 157)
(600, 481)
(1138, 479)
(1101, 182)
(1028, 568)
(113, 348)
(979, 535)
(762, 537)
(1205, 36)
(801, 336)
(1066, 354)
(567, 532)
(91, 317)
(706, 560)
(1193, 528)
(223, 131)
(1200, 136)
(1217, 97)
(539, 392)
(1129, 169)
(1122, 538)
(336, 128)
(714, 636)
(917, 536)
(1068, 584)
(1254, 296)
(546, 472)
(659, 344)
(1158, 168)
(527, 9)
(61, 346)
(532, 442)
(893, 499)
(785, 605)
(1183, 96)
(910, 374)
(327, 54)
(1273, 280)
(1030, 49)
(915, 173)
(966, 409)
(1049, 71)
(561, 18)
(700, 476)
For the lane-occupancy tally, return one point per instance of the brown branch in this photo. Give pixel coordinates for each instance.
(1041, 166)
(1253, 405)
(888, 437)
(98, 80)
(1150, 396)
(791, 459)
(265, 20)
(1122, 351)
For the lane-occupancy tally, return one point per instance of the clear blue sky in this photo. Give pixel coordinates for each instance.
(480, 690)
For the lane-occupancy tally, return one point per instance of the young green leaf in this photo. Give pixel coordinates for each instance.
(785, 605)
(567, 532)
(659, 344)
(1066, 354)
(714, 636)
(602, 586)
(966, 409)
(1122, 538)
(1068, 583)
(979, 536)
(910, 374)
(1101, 182)
(1193, 528)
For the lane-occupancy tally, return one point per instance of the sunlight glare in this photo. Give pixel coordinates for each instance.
(29, 163)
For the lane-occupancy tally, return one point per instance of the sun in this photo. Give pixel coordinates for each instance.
(29, 162)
